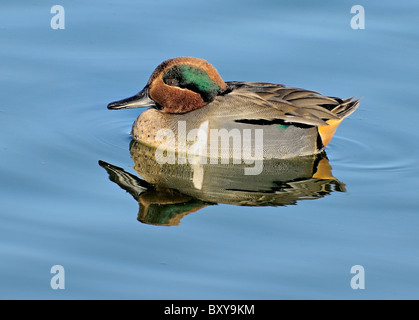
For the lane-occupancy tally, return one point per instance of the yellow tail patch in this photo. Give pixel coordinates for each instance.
(327, 132)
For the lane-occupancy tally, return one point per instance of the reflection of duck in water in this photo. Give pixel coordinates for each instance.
(171, 191)
(189, 92)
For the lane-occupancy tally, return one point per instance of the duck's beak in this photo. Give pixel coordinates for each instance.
(140, 100)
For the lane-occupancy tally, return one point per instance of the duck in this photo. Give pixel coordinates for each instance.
(187, 93)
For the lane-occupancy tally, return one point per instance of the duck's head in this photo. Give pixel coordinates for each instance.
(177, 85)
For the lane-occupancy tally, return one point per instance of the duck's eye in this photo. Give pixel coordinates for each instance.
(173, 82)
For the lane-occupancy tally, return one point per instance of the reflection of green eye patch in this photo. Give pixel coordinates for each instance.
(159, 214)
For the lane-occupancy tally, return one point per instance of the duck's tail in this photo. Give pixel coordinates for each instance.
(344, 109)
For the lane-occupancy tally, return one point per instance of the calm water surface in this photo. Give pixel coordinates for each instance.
(58, 206)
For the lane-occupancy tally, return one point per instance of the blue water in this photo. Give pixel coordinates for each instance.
(58, 206)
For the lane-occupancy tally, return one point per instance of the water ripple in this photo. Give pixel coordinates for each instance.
(373, 149)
